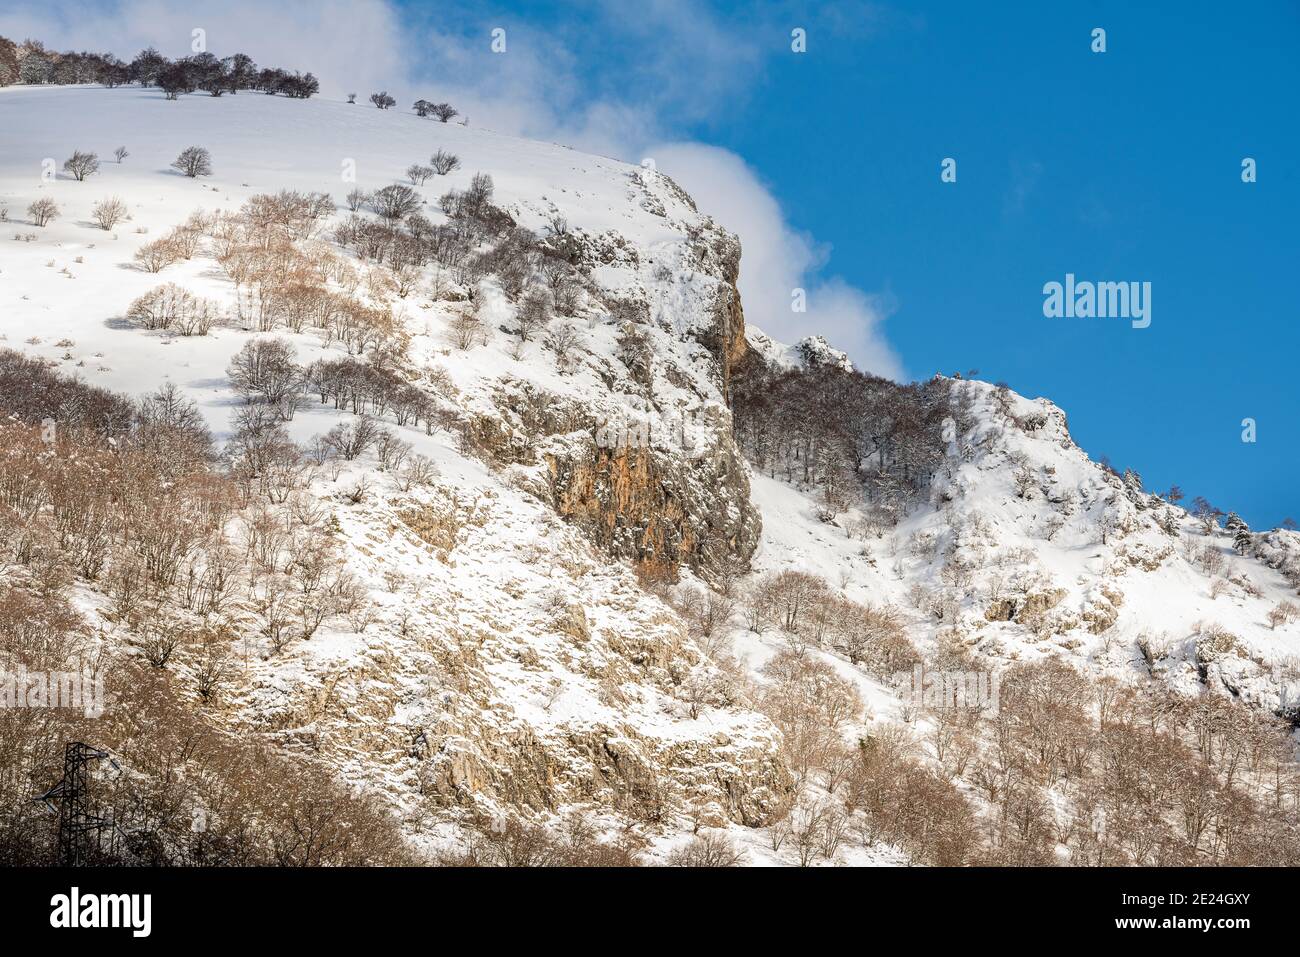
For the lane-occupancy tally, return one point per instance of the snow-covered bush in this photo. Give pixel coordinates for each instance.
(444, 162)
(395, 203)
(264, 369)
(43, 211)
(107, 213)
(157, 255)
(419, 175)
(169, 306)
(80, 165)
(194, 161)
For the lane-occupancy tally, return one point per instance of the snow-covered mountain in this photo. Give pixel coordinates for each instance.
(564, 565)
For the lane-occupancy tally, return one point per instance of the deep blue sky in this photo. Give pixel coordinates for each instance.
(1117, 166)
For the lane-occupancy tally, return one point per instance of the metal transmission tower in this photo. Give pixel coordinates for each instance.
(81, 834)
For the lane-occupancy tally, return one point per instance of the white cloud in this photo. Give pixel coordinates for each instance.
(777, 259)
(351, 45)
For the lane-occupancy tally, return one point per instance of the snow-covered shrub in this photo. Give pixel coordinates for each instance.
(194, 161)
(534, 314)
(186, 240)
(169, 306)
(811, 704)
(466, 330)
(298, 214)
(80, 165)
(444, 162)
(419, 175)
(107, 213)
(395, 203)
(1214, 642)
(391, 451)
(443, 111)
(511, 841)
(357, 198)
(352, 438)
(1283, 613)
(157, 255)
(710, 849)
(419, 471)
(264, 369)
(897, 799)
(43, 211)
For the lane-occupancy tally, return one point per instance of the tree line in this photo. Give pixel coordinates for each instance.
(30, 63)
(848, 435)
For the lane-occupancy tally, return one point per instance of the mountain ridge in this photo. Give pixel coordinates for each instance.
(566, 543)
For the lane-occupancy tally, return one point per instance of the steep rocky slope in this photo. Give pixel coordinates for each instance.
(530, 545)
(1027, 548)
(508, 660)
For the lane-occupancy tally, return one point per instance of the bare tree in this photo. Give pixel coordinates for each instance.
(213, 668)
(395, 203)
(43, 211)
(443, 111)
(121, 153)
(382, 100)
(158, 641)
(419, 174)
(534, 313)
(264, 368)
(1282, 614)
(475, 199)
(107, 213)
(157, 255)
(351, 439)
(444, 162)
(357, 198)
(194, 161)
(466, 329)
(81, 165)
(711, 849)
(564, 341)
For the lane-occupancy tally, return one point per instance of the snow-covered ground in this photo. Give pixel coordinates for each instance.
(981, 518)
(74, 281)
(513, 575)
(546, 683)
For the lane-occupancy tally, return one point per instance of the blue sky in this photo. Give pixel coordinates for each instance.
(1120, 166)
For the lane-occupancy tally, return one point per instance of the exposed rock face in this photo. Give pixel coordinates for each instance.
(1024, 608)
(676, 491)
(641, 777)
(651, 502)
(718, 250)
(518, 673)
(660, 510)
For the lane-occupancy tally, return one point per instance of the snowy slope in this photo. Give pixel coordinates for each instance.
(574, 676)
(512, 659)
(263, 144)
(1140, 582)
